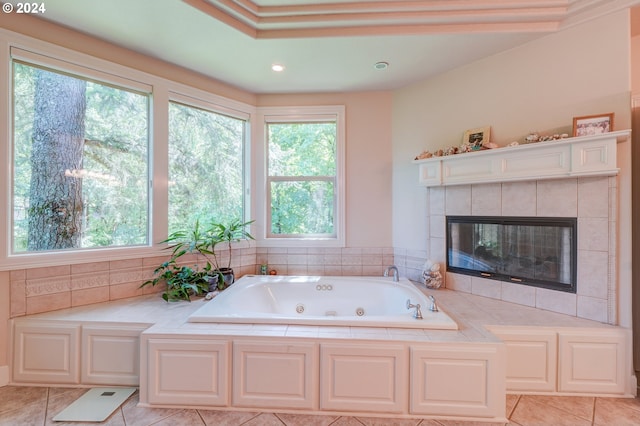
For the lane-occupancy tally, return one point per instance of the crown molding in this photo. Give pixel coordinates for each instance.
(369, 17)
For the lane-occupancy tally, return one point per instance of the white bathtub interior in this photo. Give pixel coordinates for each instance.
(323, 300)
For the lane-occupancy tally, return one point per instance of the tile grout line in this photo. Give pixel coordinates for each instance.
(513, 409)
(46, 407)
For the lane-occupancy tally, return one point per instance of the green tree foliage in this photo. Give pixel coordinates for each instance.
(302, 149)
(109, 170)
(205, 167)
(302, 170)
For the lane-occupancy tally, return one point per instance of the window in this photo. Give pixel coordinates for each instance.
(80, 162)
(304, 195)
(206, 157)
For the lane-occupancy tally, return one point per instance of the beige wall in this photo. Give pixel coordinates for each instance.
(539, 86)
(368, 166)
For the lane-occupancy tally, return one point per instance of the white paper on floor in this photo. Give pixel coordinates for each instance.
(95, 405)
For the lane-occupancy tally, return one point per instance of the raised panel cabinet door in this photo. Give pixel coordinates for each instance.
(275, 374)
(594, 156)
(531, 358)
(187, 372)
(430, 173)
(44, 353)
(111, 355)
(364, 378)
(593, 361)
(458, 380)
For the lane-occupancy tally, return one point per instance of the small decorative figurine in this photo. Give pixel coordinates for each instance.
(431, 275)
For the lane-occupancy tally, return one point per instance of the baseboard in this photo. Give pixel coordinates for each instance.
(4, 375)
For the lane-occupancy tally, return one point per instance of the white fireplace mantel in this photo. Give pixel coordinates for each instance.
(571, 157)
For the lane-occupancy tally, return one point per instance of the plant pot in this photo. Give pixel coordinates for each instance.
(228, 276)
(213, 282)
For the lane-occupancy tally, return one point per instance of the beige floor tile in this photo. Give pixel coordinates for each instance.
(618, 412)
(182, 418)
(264, 419)
(530, 412)
(374, 421)
(580, 406)
(143, 416)
(430, 422)
(306, 420)
(226, 418)
(16, 397)
(511, 402)
(347, 421)
(32, 414)
(464, 423)
(26, 406)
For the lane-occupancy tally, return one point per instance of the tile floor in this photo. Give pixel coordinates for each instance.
(26, 406)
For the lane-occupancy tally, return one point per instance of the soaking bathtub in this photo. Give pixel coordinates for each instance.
(323, 300)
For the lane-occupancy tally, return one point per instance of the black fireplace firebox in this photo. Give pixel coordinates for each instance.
(535, 251)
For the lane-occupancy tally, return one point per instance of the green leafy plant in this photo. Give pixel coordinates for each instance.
(219, 233)
(183, 281)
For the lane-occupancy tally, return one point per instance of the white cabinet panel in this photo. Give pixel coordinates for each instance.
(283, 375)
(363, 378)
(591, 157)
(458, 380)
(44, 353)
(531, 358)
(187, 372)
(111, 355)
(593, 361)
(430, 173)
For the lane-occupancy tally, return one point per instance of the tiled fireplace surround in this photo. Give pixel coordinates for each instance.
(592, 200)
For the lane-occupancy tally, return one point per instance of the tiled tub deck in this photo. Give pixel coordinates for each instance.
(388, 372)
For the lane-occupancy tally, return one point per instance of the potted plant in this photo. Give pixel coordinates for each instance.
(218, 233)
(184, 281)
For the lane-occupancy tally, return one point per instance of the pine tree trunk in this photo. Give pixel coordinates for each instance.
(55, 203)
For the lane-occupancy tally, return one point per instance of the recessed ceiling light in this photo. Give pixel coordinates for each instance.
(381, 65)
(277, 67)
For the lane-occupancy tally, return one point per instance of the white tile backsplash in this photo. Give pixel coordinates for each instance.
(458, 200)
(486, 200)
(590, 192)
(516, 293)
(557, 198)
(436, 201)
(593, 234)
(486, 288)
(556, 301)
(592, 200)
(521, 199)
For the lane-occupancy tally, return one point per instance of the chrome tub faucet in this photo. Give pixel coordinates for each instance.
(394, 270)
(418, 313)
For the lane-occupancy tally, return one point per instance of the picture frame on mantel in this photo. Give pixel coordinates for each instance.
(590, 125)
(477, 137)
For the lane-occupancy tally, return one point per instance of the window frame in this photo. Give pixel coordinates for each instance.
(76, 72)
(303, 114)
(198, 102)
(41, 53)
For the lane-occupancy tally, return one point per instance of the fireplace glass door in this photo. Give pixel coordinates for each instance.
(525, 250)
